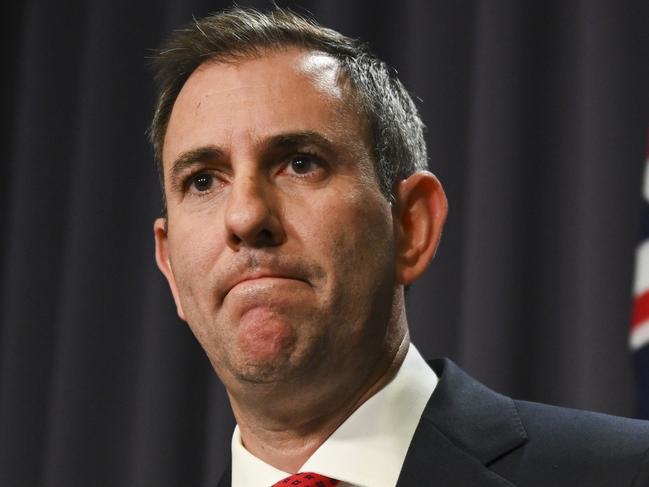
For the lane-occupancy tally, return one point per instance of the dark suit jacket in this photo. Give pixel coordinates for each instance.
(470, 436)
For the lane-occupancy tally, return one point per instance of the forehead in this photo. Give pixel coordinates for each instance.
(256, 97)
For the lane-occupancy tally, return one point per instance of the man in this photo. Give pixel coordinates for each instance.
(298, 208)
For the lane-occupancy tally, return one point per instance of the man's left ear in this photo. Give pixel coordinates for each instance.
(419, 213)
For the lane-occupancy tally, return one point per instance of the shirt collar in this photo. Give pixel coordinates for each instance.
(369, 448)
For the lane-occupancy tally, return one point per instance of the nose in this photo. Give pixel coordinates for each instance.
(251, 214)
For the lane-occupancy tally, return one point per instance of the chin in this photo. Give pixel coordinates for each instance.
(263, 353)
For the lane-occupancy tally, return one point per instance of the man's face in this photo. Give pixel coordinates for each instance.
(279, 245)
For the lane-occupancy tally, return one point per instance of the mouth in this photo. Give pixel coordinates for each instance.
(261, 279)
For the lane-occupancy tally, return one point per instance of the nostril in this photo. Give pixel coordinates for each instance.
(265, 237)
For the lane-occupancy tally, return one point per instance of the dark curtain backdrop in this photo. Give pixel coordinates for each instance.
(537, 118)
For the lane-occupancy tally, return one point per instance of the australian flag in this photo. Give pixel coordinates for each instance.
(639, 339)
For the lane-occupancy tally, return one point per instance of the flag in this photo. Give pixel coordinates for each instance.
(639, 337)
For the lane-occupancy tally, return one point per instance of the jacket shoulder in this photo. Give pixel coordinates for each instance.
(537, 445)
(574, 447)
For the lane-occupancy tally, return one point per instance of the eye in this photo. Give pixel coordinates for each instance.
(303, 164)
(201, 182)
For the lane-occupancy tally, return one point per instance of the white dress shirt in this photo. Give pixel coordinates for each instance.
(369, 448)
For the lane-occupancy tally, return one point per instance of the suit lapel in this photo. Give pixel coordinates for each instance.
(464, 427)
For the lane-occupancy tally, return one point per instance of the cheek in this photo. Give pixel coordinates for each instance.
(194, 247)
(192, 253)
(362, 226)
(356, 243)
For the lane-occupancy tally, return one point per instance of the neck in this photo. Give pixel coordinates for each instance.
(286, 440)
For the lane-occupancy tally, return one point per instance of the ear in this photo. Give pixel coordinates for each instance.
(162, 259)
(419, 213)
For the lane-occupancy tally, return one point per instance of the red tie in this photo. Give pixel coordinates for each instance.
(306, 479)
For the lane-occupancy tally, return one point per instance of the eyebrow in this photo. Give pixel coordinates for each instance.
(191, 157)
(212, 153)
(297, 139)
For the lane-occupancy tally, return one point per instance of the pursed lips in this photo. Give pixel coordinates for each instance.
(260, 276)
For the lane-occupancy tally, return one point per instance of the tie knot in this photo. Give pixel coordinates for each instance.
(306, 479)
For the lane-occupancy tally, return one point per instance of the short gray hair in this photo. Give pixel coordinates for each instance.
(394, 124)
